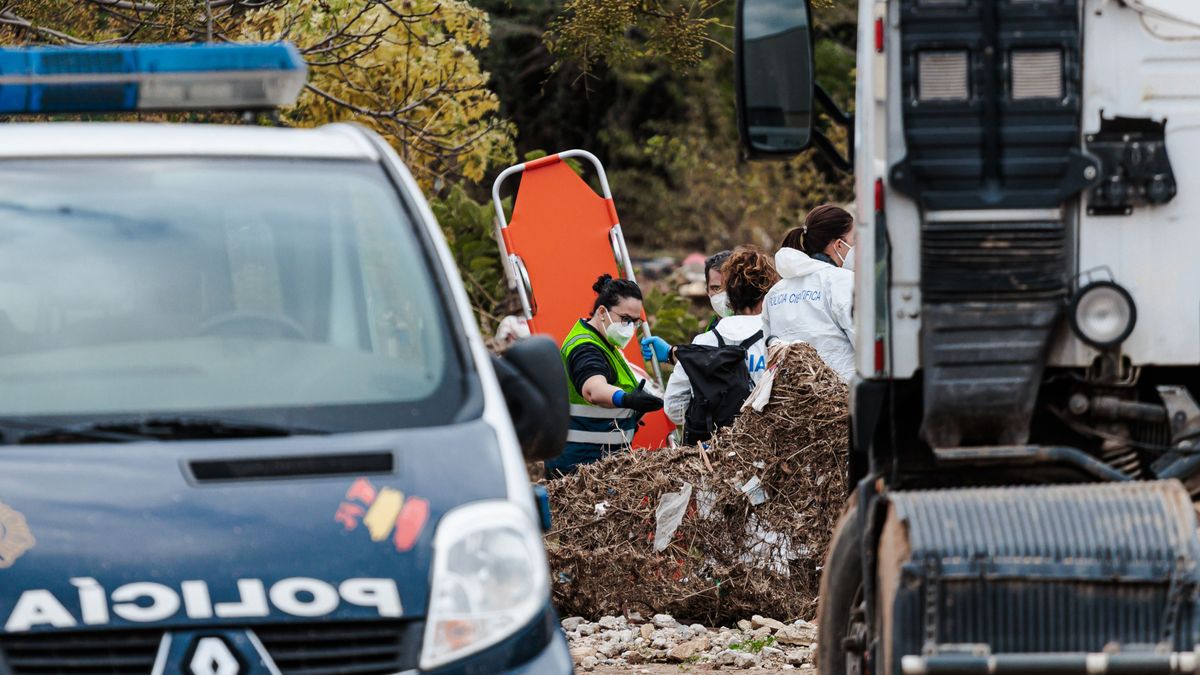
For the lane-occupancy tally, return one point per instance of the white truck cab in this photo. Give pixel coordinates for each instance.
(1028, 327)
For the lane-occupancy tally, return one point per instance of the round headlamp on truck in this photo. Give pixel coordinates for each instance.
(1102, 314)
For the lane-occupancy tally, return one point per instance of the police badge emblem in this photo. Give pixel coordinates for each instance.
(15, 537)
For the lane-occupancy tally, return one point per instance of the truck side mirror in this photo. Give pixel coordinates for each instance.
(773, 57)
(534, 383)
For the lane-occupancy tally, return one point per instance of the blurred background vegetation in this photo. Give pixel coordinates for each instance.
(463, 88)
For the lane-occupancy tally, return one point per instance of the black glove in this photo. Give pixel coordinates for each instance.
(641, 401)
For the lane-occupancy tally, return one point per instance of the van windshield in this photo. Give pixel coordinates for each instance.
(275, 291)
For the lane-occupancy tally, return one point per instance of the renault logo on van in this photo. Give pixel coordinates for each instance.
(233, 651)
(213, 657)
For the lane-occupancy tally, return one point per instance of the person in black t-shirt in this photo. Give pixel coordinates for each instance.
(607, 398)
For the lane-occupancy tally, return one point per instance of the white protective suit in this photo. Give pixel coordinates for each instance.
(733, 330)
(812, 303)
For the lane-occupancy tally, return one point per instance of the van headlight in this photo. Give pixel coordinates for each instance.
(489, 579)
(1102, 314)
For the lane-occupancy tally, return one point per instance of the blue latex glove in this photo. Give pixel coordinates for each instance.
(657, 347)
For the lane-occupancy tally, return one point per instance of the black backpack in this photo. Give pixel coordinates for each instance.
(720, 385)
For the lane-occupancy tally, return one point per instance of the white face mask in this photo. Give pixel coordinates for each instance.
(847, 263)
(720, 304)
(618, 333)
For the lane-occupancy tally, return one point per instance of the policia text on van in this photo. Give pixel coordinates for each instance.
(249, 424)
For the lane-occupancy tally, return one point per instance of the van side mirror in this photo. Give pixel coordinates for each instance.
(773, 57)
(534, 383)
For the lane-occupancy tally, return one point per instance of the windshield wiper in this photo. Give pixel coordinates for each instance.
(15, 431)
(158, 427)
(66, 211)
(203, 426)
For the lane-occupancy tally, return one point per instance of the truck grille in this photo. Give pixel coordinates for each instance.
(362, 648)
(109, 652)
(993, 261)
(1046, 569)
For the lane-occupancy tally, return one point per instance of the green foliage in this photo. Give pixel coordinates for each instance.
(470, 231)
(621, 32)
(753, 646)
(669, 316)
(680, 182)
(835, 68)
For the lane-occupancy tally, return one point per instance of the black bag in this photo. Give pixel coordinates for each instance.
(720, 385)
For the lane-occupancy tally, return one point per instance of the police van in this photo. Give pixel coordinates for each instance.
(248, 422)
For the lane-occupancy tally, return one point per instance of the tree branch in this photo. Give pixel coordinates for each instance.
(7, 18)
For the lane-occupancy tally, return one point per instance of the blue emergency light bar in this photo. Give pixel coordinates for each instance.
(164, 77)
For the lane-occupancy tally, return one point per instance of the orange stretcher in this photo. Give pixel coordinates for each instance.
(563, 236)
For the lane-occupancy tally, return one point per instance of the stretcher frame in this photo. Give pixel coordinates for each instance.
(514, 268)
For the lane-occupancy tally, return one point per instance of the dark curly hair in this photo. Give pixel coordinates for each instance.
(821, 226)
(610, 291)
(749, 274)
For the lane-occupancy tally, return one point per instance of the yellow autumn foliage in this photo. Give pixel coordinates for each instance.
(406, 68)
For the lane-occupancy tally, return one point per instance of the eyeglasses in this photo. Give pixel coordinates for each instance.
(634, 321)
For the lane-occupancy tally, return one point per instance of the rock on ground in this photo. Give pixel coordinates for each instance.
(762, 644)
(678, 668)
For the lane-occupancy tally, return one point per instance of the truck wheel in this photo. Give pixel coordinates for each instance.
(841, 617)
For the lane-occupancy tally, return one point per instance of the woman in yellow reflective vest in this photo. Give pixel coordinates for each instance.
(607, 399)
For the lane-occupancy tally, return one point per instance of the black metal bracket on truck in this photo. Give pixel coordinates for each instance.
(1135, 168)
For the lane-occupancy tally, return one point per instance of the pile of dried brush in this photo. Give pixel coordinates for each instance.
(729, 558)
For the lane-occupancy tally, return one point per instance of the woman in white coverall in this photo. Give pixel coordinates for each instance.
(748, 275)
(813, 300)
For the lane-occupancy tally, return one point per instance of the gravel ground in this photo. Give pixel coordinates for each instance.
(676, 669)
(663, 645)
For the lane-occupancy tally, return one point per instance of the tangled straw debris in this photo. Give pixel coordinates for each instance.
(759, 505)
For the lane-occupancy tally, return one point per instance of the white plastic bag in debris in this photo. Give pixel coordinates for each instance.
(669, 514)
(769, 550)
(754, 491)
(761, 396)
(706, 503)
